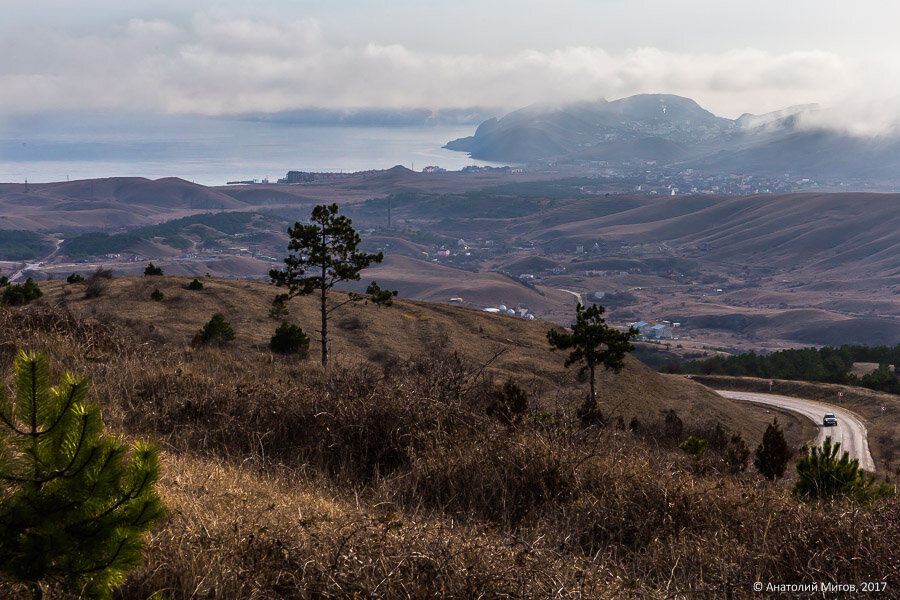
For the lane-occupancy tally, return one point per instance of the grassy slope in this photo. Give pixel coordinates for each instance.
(385, 479)
(510, 346)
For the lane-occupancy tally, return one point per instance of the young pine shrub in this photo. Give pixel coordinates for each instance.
(772, 454)
(696, 447)
(289, 339)
(21, 294)
(379, 296)
(823, 476)
(152, 271)
(75, 278)
(195, 285)
(217, 330)
(73, 511)
(157, 296)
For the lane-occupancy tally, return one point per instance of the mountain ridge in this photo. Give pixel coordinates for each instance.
(675, 132)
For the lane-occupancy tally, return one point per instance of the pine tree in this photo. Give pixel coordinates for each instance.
(289, 339)
(152, 271)
(594, 344)
(823, 475)
(379, 296)
(772, 454)
(327, 248)
(217, 330)
(74, 509)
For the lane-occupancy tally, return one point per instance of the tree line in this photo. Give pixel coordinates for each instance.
(827, 365)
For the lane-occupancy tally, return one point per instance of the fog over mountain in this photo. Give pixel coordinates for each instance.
(672, 131)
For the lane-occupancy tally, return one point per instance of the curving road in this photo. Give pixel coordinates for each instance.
(850, 430)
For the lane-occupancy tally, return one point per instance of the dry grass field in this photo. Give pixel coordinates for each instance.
(385, 477)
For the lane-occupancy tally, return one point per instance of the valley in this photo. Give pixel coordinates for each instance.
(761, 272)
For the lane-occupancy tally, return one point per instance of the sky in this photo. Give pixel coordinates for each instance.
(226, 57)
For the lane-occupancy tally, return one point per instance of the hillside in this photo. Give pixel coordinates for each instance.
(510, 346)
(113, 202)
(386, 473)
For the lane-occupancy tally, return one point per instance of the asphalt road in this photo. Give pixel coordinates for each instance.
(850, 430)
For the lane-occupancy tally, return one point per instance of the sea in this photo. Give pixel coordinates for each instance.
(213, 151)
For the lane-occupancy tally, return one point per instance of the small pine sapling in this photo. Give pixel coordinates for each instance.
(217, 330)
(772, 454)
(157, 296)
(822, 475)
(75, 278)
(196, 284)
(75, 504)
(696, 447)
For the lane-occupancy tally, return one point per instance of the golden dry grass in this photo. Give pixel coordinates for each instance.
(387, 479)
(507, 346)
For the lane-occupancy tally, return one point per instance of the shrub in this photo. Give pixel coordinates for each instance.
(152, 271)
(823, 475)
(379, 296)
(289, 339)
(71, 509)
(510, 403)
(673, 425)
(696, 447)
(74, 278)
(156, 295)
(196, 284)
(772, 454)
(21, 294)
(217, 330)
(737, 454)
(97, 283)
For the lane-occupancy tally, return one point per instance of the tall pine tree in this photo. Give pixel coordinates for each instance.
(75, 504)
(593, 344)
(323, 253)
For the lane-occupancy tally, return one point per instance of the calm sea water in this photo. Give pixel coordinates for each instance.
(212, 151)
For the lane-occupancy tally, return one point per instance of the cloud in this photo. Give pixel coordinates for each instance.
(215, 64)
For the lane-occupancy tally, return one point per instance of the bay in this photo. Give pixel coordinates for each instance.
(213, 151)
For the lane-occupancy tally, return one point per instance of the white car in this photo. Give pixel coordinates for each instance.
(829, 419)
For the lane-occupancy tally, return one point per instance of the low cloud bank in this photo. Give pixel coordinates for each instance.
(217, 65)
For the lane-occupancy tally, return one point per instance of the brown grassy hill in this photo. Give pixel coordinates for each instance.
(112, 202)
(504, 346)
(386, 478)
(829, 231)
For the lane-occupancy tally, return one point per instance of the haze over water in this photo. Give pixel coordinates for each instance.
(213, 151)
